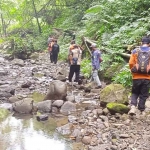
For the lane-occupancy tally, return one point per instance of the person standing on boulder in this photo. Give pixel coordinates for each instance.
(55, 51)
(96, 60)
(140, 80)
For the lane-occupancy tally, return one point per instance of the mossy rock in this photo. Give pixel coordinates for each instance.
(117, 108)
(34, 56)
(3, 114)
(37, 97)
(112, 70)
(114, 93)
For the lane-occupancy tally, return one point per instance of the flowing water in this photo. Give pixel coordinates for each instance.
(26, 133)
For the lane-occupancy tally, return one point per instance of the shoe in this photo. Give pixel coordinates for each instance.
(143, 113)
(132, 110)
(98, 87)
(69, 83)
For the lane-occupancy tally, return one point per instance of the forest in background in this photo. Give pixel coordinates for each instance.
(115, 25)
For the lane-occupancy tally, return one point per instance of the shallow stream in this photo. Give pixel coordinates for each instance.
(26, 133)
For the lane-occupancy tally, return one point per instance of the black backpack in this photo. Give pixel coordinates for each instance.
(142, 63)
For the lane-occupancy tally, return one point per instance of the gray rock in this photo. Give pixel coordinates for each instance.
(18, 62)
(68, 107)
(58, 103)
(44, 106)
(24, 106)
(57, 91)
(13, 99)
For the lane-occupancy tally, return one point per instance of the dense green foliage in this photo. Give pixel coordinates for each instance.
(113, 24)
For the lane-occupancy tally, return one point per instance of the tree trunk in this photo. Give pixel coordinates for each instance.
(3, 26)
(36, 15)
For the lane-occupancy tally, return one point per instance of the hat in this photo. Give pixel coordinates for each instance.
(145, 40)
(93, 45)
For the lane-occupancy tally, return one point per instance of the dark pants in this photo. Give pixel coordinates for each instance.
(51, 57)
(74, 69)
(140, 89)
(55, 57)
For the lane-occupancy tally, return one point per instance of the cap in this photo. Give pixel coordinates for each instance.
(93, 45)
(146, 40)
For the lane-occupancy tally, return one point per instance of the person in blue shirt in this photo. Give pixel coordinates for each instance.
(96, 60)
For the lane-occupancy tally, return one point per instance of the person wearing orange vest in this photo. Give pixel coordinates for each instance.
(140, 81)
(50, 49)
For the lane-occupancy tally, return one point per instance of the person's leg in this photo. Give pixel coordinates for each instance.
(56, 57)
(136, 83)
(51, 57)
(134, 96)
(96, 78)
(77, 72)
(71, 72)
(144, 93)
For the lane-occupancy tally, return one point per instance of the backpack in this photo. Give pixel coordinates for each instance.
(75, 56)
(142, 63)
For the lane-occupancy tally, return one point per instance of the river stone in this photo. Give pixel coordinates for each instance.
(13, 99)
(68, 107)
(65, 129)
(117, 108)
(45, 106)
(70, 98)
(57, 91)
(86, 140)
(58, 103)
(18, 62)
(113, 93)
(3, 72)
(24, 106)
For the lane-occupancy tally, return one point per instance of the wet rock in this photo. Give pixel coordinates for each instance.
(44, 106)
(42, 117)
(65, 130)
(57, 91)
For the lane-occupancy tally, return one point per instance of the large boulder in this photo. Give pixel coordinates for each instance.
(24, 106)
(113, 93)
(57, 91)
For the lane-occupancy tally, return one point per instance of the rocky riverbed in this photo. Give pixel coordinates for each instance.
(35, 86)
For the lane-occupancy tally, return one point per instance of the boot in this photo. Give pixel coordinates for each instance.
(132, 110)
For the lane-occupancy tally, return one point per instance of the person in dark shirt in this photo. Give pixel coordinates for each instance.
(55, 51)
